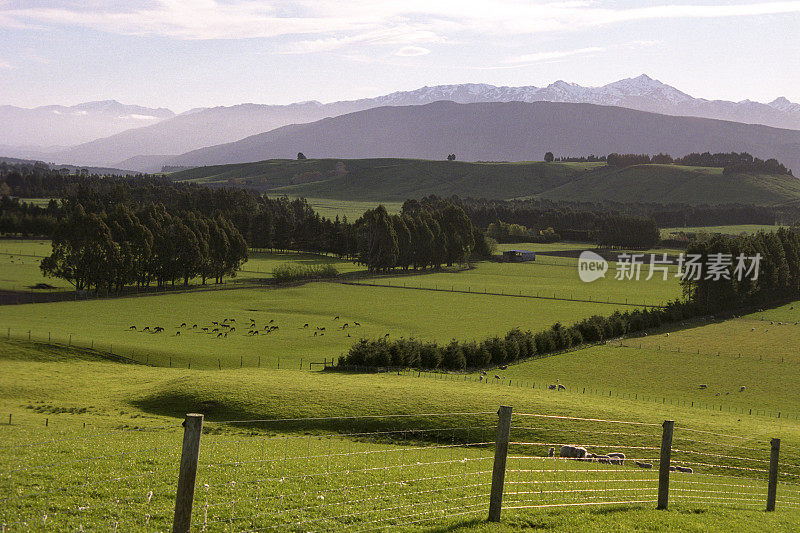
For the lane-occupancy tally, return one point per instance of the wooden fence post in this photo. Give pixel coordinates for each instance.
(190, 453)
(499, 468)
(664, 464)
(772, 490)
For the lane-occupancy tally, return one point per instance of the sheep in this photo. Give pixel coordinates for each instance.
(551, 387)
(132, 328)
(703, 386)
(177, 333)
(214, 330)
(356, 323)
(194, 326)
(146, 328)
(561, 387)
(551, 452)
(572, 452)
(214, 323)
(219, 335)
(741, 389)
(483, 372)
(640, 464)
(183, 325)
(158, 329)
(480, 378)
(496, 376)
(503, 367)
(605, 459)
(233, 329)
(684, 469)
(315, 333)
(271, 320)
(672, 468)
(617, 458)
(336, 318)
(386, 336)
(305, 325)
(205, 329)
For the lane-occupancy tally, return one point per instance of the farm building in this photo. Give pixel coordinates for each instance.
(519, 256)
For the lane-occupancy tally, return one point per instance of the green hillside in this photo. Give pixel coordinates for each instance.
(390, 179)
(387, 180)
(677, 184)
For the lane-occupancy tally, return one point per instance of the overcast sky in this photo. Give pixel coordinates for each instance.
(185, 54)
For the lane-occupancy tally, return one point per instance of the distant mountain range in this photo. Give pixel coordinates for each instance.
(44, 129)
(147, 148)
(501, 131)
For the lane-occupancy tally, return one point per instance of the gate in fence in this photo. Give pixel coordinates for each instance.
(375, 472)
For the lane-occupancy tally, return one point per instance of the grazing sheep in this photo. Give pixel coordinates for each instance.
(480, 378)
(205, 329)
(551, 452)
(348, 335)
(386, 336)
(233, 329)
(214, 330)
(336, 318)
(741, 389)
(214, 323)
(177, 333)
(496, 376)
(483, 372)
(684, 469)
(133, 328)
(561, 387)
(315, 333)
(158, 329)
(305, 325)
(752, 329)
(604, 459)
(572, 452)
(702, 386)
(640, 464)
(345, 325)
(232, 319)
(617, 458)
(271, 320)
(672, 469)
(146, 328)
(183, 325)
(194, 326)
(503, 367)
(551, 387)
(219, 335)
(356, 323)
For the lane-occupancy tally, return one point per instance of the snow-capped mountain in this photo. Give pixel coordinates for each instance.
(69, 125)
(161, 136)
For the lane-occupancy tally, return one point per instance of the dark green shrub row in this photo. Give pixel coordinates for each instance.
(283, 273)
(411, 353)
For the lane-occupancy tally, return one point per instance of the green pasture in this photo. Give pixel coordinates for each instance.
(738, 229)
(440, 316)
(352, 209)
(551, 277)
(109, 453)
(260, 264)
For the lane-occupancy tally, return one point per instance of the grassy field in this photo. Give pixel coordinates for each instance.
(352, 209)
(551, 277)
(378, 310)
(675, 184)
(728, 230)
(109, 453)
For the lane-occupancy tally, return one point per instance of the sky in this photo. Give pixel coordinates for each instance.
(202, 53)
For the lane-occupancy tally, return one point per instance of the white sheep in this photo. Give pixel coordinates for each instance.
(643, 465)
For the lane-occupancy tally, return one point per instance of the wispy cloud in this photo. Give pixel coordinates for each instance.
(5, 65)
(321, 25)
(537, 57)
(412, 51)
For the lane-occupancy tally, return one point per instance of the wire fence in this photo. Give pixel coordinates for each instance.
(363, 473)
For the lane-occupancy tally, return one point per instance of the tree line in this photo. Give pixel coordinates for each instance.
(513, 346)
(778, 275)
(108, 251)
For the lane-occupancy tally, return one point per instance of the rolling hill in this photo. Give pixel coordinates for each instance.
(384, 180)
(676, 184)
(513, 131)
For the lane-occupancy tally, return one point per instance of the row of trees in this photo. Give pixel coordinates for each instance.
(107, 251)
(515, 345)
(778, 275)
